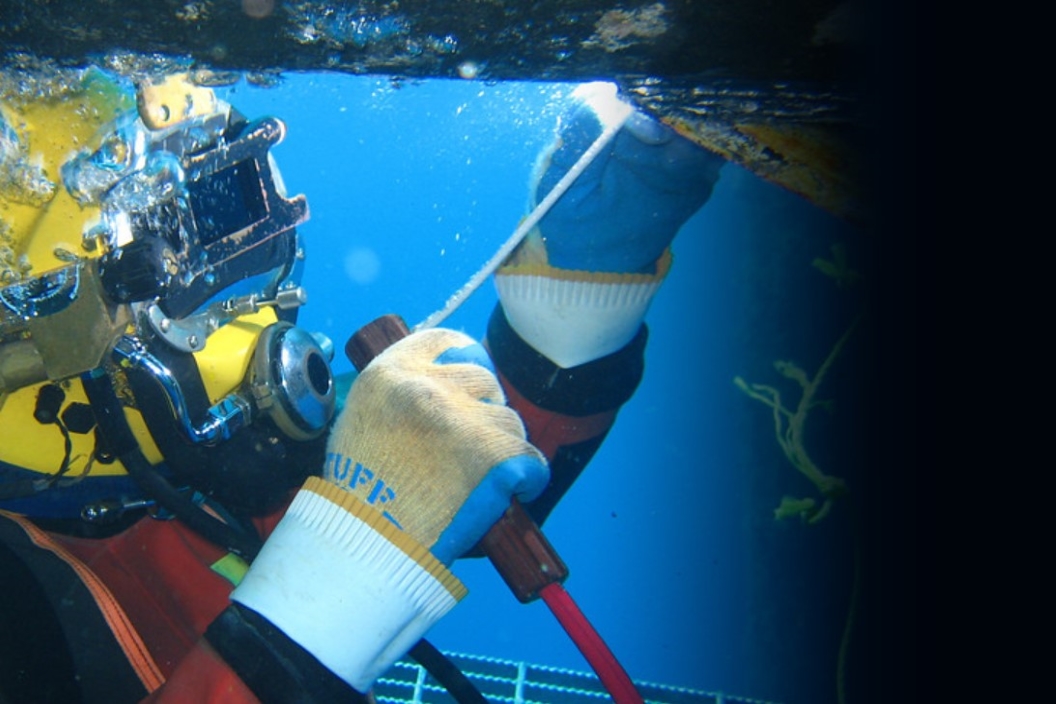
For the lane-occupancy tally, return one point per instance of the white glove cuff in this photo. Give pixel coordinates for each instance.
(346, 584)
(576, 317)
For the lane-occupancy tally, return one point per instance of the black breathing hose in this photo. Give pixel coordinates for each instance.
(110, 416)
(189, 513)
(446, 673)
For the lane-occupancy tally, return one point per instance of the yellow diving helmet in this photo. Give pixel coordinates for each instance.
(149, 283)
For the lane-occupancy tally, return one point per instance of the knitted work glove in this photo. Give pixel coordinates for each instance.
(422, 461)
(427, 438)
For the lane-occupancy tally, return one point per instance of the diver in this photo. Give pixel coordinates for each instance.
(187, 513)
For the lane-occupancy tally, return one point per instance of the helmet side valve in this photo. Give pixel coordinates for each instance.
(286, 299)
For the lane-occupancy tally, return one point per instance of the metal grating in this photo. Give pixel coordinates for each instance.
(502, 681)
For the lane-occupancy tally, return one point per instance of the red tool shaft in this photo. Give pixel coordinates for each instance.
(604, 663)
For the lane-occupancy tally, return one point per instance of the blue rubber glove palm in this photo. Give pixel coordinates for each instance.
(626, 208)
(578, 287)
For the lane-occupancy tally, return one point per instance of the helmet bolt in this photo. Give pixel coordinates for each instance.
(192, 341)
(165, 324)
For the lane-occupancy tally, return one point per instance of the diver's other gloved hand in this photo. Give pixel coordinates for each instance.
(579, 285)
(422, 461)
(626, 208)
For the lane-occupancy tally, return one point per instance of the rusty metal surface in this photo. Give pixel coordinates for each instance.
(508, 39)
(770, 84)
(810, 142)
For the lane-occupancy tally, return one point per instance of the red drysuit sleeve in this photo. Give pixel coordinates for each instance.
(202, 677)
(567, 412)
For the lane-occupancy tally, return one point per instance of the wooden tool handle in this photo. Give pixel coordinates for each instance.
(515, 545)
(374, 338)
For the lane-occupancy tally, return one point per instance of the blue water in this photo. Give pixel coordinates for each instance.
(674, 552)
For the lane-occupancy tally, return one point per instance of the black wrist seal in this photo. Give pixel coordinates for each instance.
(276, 669)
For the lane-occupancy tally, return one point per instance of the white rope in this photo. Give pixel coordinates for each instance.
(527, 224)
